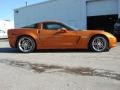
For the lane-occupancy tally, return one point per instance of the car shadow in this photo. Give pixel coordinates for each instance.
(8, 50)
(63, 51)
(14, 50)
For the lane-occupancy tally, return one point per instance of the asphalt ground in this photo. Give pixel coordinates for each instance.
(58, 69)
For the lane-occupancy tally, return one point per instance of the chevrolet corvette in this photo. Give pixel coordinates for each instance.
(56, 35)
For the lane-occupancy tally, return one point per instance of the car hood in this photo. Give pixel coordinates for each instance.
(92, 32)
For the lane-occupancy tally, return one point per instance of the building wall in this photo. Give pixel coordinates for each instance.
(73, 12)
(102, 7)
(119, 8)
(70, 12)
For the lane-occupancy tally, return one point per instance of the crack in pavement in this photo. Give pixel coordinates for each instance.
(83, 71)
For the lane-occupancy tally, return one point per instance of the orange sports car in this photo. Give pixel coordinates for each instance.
(56, 35)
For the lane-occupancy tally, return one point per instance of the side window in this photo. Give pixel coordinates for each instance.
(52, 26)
(30, 26)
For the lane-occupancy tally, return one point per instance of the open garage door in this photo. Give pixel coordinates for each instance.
(102, 14)
(103, 22)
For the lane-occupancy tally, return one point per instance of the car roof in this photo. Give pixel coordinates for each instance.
(49, 22)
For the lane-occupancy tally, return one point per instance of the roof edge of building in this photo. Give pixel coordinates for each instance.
(44, 2)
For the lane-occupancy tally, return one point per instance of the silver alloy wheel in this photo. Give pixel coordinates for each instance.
(99, 44)
(26, 44)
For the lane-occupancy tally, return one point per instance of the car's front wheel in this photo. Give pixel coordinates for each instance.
(26, 44)
(99, 44)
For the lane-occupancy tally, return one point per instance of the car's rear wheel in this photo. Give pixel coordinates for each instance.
(26, 44)
(99, 44)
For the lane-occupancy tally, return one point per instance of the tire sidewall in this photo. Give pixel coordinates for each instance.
(33, 43)
(91, 48)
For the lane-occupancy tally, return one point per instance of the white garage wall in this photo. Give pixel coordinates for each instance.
(102, 7)
(70, 12)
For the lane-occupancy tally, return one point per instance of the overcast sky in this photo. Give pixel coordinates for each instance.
(7, 7)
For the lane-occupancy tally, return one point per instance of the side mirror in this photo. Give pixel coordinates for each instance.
(62, 30)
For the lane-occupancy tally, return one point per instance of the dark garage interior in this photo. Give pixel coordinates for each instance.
(104, 22)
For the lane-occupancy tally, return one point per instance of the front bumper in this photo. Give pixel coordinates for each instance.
(112, 42)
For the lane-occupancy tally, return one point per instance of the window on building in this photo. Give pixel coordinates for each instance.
(1, 31)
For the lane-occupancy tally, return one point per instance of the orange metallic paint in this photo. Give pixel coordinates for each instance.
(58, 39)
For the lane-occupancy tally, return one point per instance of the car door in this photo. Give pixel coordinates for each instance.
(56, 35)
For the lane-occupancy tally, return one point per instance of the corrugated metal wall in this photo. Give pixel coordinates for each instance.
(70, 12)
(73, 12)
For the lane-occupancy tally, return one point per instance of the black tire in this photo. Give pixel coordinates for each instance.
(26, 44)
(99, 44)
